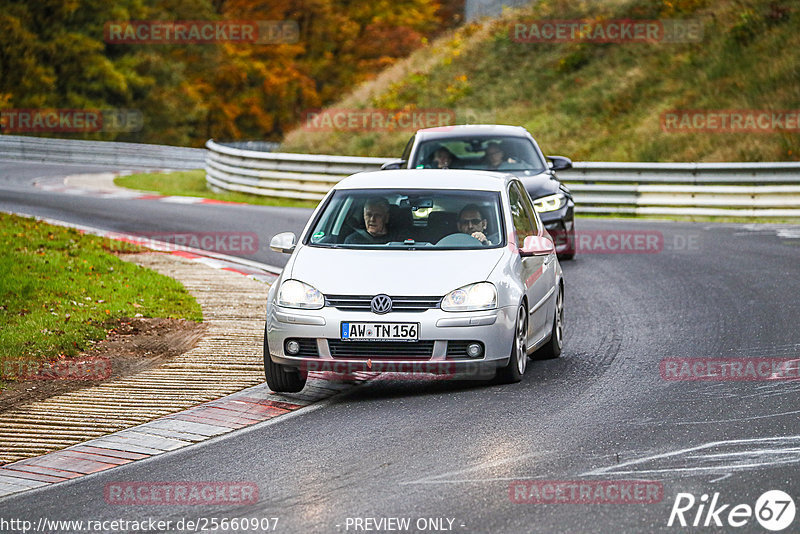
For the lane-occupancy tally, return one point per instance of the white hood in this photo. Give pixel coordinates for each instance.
(394, 272)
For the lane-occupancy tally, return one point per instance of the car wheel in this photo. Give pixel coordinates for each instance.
(553, 347)
(519, 360)
(281, 378)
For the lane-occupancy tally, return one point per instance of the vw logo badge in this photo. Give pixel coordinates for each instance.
(381, 304)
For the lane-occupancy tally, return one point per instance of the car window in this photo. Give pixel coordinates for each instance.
(519, 213)
(408, 219)
(528, 205)
(502, 153)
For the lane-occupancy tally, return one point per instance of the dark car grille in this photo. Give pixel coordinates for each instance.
(399, 304)
(380, 349)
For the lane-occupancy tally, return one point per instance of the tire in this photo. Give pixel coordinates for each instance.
(281, 378)
(553, 347)
(517, 362)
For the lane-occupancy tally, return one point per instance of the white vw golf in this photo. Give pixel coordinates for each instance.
(431, 271)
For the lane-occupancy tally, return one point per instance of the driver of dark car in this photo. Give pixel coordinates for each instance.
(496, 158)
(376, 222)
(472, 221)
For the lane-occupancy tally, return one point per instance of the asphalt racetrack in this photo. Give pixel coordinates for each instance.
(614, 436)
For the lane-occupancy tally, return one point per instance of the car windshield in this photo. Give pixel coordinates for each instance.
(409, 219)
(502, 153)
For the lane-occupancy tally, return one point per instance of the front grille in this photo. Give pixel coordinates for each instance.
(399, 304)
(308, 347)
(380, 349)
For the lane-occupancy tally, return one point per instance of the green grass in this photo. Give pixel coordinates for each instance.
(597, 102)
(60, 290)
(193, 184)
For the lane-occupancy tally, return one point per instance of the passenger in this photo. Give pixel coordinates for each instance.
(443, 158)
(472, 221)
(376, 221)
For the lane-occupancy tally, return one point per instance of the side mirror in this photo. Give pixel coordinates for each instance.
(559, 163)
(283, 242)
(535, 245)
(392, 165)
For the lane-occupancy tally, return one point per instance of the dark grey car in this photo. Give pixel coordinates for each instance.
(510, 149)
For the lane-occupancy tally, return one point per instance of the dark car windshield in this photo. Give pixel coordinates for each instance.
(501, 153)
(409, 219)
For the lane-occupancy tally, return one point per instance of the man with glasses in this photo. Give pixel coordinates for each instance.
(472, 221)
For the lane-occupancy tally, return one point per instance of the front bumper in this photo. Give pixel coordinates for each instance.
(560, 224)
(438, 331)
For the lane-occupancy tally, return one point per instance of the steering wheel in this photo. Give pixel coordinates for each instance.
(457, 240)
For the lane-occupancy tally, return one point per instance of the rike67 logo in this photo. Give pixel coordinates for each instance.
(774, 510)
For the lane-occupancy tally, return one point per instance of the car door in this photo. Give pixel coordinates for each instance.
(538, 273)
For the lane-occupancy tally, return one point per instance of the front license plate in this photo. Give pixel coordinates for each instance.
(380, 331)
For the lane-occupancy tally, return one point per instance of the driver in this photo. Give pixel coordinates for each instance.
(496, 158)
(443, 158)
(472, 221)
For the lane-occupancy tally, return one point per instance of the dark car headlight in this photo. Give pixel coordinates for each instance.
(550, 203)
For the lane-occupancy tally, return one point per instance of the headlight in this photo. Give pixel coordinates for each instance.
(296, 294)
(550, 202)
(480, 296)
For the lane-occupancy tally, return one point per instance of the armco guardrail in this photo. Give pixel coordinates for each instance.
(703, 189)
(275, 174)
(101, 153)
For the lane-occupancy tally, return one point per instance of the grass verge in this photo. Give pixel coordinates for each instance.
(61, 290)
(193, 184)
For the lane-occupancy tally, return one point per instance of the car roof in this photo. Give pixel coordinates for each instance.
(427, 179)
(443, 132)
